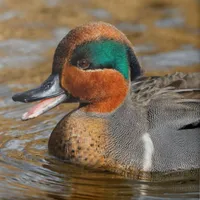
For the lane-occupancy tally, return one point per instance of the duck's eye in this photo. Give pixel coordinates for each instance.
(83, 63)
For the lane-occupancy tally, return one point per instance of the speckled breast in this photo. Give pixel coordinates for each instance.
(80, 139)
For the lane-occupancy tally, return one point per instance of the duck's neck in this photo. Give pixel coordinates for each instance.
(110, 103)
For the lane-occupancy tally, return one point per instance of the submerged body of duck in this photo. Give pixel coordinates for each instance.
(125, 122)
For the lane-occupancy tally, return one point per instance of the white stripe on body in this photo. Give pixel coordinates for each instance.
(148, 152)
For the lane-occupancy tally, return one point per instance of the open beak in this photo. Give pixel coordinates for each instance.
(50, 93)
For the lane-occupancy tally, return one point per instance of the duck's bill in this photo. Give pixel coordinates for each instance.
(50, 93)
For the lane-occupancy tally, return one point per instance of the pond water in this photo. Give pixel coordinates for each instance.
(166, 39)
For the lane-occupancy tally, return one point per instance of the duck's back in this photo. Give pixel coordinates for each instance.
(172, 104)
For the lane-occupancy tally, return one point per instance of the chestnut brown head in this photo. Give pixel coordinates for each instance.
(92, 63)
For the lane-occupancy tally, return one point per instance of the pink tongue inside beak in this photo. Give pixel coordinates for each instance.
(43, 106)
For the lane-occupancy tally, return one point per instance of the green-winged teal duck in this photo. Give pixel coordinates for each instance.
(126, 122)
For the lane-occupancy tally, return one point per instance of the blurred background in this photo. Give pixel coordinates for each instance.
(165, 36)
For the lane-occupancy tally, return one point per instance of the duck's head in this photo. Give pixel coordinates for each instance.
(93, 63)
